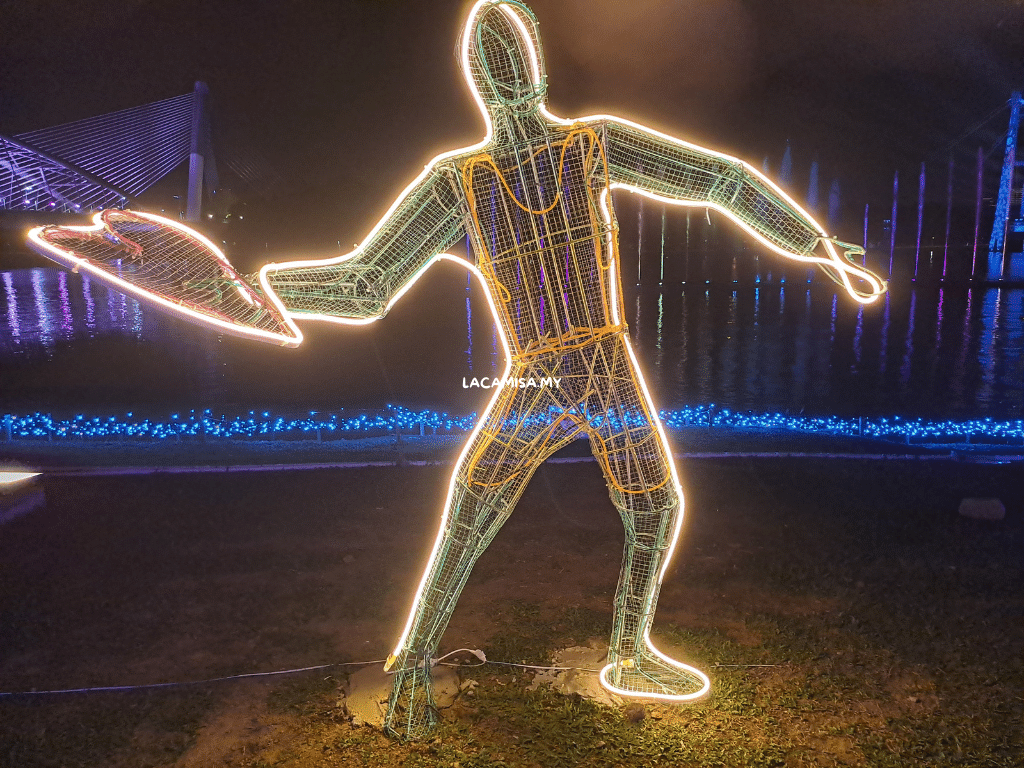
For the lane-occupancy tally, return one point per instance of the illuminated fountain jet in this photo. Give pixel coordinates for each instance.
(535, 196)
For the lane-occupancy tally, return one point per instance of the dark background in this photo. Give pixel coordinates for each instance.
(340, 103)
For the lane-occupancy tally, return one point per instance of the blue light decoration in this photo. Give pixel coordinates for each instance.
(392, 419)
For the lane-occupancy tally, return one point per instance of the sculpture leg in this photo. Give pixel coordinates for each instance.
(474, 516)
(487, 483)
(644, 489)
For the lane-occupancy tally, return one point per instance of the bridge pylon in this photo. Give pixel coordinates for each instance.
(197, 152)
(1003, 262)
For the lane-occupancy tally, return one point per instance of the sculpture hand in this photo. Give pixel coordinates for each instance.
(860, 282)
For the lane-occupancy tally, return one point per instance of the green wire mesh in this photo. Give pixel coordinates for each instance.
(536, 204)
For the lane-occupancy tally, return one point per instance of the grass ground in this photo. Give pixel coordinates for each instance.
(846, 614)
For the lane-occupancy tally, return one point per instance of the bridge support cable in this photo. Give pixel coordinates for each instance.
(32, 180)
(104, 161)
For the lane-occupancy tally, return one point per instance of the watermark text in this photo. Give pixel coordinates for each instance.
(489, 382)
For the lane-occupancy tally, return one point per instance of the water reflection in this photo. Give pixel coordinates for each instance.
(857, 334)
(908, 349)
(1013, 376)
(802, 350)
(987, 351)
(885, 333)
(66, 323)
(41, 303)
(48, 306)
(90, 304)
(755, 346)
(13, 317)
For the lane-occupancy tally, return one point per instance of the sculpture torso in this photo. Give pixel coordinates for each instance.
(540, 239)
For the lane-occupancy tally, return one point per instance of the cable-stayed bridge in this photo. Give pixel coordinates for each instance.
(1009, 219)
(108, 160)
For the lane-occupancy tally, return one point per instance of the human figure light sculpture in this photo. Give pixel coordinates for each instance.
(534, 195)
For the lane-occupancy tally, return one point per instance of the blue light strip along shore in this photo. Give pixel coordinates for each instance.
(316, 425)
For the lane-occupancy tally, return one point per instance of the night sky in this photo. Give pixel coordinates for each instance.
(343, 102)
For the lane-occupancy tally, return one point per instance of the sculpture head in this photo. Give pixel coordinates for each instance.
(501, 57)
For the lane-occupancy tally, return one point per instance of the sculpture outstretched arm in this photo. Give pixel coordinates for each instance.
(178, 270)
(362, 285)
(674, 171)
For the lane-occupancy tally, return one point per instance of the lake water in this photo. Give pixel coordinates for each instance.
(67, 343)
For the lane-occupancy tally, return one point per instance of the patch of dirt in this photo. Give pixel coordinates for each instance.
(239, 724)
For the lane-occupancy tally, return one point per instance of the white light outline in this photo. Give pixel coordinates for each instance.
(77, 263)
(427, 170)
(833, 261)
(843, 267)
(446, 511)
(705, 680)
(606, 213)
(669, 553)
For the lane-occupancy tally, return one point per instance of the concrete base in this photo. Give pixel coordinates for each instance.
(368, 691)
(579, 680)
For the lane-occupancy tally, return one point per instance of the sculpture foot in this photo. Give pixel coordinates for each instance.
(649, 674)
(412, 714)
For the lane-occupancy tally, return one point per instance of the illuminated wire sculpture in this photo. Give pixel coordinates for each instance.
(534, 195)
(172, 267)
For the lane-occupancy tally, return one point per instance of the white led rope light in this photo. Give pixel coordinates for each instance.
(551, 277)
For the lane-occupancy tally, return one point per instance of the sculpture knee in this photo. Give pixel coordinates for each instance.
(651, 524)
